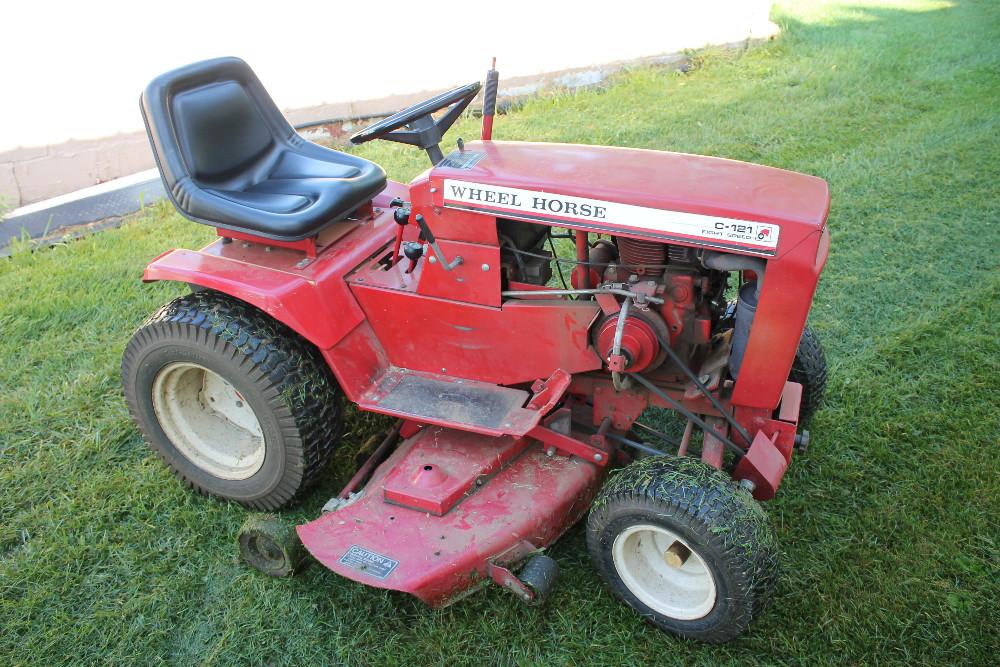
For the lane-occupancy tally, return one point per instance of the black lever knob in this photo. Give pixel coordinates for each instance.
(401, 216)
(396, 201)
(413, 250)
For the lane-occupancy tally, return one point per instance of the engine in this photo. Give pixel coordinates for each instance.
(693, 301)
(693, 296)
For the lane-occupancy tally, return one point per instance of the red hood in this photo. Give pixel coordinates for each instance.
(707, 187)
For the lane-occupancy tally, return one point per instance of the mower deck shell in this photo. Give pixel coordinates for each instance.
(531, 499)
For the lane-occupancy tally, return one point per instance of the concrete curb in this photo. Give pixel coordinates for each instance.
(56, 217)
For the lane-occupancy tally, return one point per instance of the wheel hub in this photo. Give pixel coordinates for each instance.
(208, 421)
(664, 572)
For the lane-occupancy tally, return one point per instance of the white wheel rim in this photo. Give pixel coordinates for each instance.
(208, 421)
(684, 593)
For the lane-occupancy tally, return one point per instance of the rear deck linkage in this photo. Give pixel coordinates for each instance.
(617, 379)
(676, 405)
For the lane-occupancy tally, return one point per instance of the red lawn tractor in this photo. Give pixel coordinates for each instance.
(515, 400)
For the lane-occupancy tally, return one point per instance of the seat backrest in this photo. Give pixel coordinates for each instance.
(213, 122)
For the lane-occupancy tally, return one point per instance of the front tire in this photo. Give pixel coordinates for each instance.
(683, 545)
(809, 370)
(237, 404)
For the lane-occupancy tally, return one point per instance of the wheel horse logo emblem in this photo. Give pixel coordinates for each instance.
(609, 216)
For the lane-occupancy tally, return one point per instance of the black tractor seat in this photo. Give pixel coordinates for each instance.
(228, 157)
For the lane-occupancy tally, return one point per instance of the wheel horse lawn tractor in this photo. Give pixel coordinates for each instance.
(516, 402)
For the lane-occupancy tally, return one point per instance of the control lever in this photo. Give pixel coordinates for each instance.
(413, 251)
(425, 231)
(402, 218)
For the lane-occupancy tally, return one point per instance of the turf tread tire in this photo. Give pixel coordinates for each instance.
(809, 370)
(301, 393)
(709, 511)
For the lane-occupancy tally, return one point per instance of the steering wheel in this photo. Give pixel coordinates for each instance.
(421, 128)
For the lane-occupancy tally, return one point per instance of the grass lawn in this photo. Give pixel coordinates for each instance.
(889, 526)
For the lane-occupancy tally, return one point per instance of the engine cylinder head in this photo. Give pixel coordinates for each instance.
(679, 254)
(641, 256)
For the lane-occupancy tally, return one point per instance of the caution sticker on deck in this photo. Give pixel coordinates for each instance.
(369, 562)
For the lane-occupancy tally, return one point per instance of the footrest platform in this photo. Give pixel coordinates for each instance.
(479, 407)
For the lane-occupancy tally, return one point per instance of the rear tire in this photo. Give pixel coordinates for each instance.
(683, 545)
(237, 404)
(809, 370)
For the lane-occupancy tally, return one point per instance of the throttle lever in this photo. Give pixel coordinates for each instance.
(425, 231)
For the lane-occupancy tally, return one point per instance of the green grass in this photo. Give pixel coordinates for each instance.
(889, 526)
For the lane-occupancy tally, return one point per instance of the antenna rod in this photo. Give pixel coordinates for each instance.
(490, 100)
